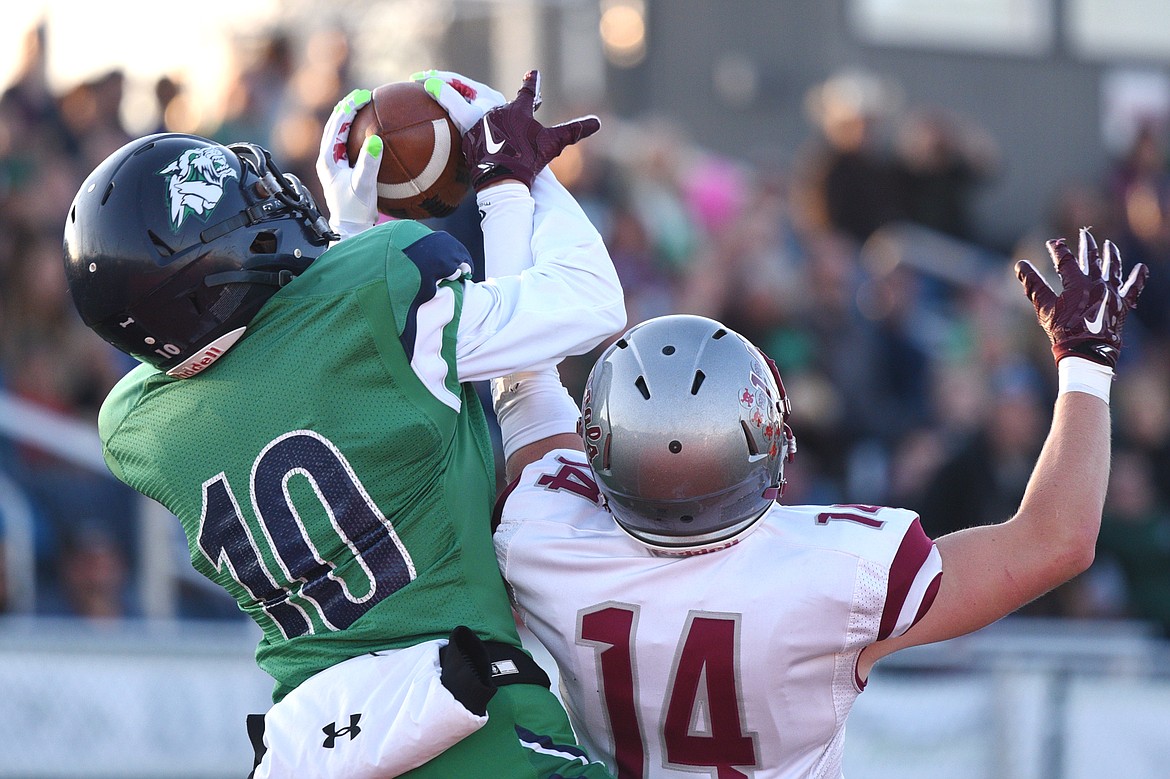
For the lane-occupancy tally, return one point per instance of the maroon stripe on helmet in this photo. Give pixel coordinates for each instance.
(907, 562)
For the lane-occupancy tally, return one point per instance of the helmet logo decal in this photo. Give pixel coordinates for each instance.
(195, 183)
(591, 434)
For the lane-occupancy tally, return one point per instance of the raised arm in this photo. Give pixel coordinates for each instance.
(990, 571)
(527, 216)
(570, 299)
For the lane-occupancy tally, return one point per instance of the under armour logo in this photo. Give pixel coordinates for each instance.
(331, 732)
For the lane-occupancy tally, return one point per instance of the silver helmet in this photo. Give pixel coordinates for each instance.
(685, 425)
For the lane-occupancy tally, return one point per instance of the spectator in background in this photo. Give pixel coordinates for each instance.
(982, 481)
(851, 183)
(92, 112)
(1143, 420)
(941, 161)
(258, 91)
(748, 272)
(825, 346)
(1139, 184)
(173, 106)
(30, 111)
(318, 77)
(1139, 188)
(657, 166)
(3, 577)
(1135, 537)
(92, 578)
(1075, 203)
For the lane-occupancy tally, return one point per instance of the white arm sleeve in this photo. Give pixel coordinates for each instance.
(566, 303)
(532, 405)
(505, 215)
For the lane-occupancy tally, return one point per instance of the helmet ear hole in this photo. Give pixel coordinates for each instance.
(263, 243)
(196, 304)
(163, 247)
(753, 450)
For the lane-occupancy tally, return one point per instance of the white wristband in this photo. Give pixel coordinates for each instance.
(1076, 374)
(531, 405)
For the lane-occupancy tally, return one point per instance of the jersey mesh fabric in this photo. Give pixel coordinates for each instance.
(313, 440)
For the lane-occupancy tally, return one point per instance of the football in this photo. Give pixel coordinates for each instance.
(422, 173)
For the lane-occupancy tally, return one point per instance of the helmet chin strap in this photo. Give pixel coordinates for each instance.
(269, 278)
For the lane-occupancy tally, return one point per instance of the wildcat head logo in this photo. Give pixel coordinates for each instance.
(195, 183)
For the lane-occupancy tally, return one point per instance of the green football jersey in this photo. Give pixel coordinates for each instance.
(330, 471)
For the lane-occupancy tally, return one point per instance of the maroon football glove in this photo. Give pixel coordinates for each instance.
(1085, 320)
(508, 143)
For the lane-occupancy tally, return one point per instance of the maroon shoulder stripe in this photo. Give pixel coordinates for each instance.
(908, 561)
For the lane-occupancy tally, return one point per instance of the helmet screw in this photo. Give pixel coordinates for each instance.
(675, 447)
(93, 267)
(297, 253)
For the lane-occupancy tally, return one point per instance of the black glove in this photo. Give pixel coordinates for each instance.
(508, 143)
(466, 670)
(1085, 320)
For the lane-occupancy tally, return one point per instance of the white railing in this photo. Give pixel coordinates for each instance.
(77, 443)
(1022, 699)
(16, 520)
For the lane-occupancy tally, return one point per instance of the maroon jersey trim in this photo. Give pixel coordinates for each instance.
(908, 561)
(501, 499)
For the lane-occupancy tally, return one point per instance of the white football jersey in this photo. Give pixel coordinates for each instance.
(735, 663)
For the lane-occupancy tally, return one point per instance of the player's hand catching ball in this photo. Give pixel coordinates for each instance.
(508, 143)
(351, 191)
(1086, 318)
(465, 100)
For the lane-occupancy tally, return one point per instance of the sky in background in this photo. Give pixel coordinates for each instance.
(145, 38)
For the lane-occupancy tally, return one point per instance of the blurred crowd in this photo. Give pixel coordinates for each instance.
(918, 375)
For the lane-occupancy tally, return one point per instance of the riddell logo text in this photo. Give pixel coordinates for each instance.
(199, 363)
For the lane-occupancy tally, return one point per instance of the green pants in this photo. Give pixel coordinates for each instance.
(527, 736)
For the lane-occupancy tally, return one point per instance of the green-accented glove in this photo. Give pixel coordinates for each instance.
(465, 100)
(351, 190)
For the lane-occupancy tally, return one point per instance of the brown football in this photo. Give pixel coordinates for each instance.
(422, 174)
